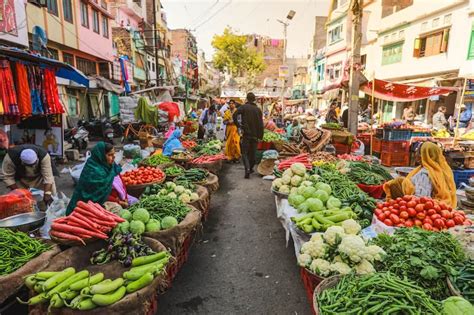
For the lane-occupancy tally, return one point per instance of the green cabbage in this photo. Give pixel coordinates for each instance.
(137, 227)
(323, 186)
(321, 195)
(456, 305)
(308, 192)
(333, 203)
(295, 200)
(153, 226)
(298, 169)
(123, 227)
(294, 190)
(141, 214)
(306, 183)
(303, 207)
(168, 222)
(125, 214)
(315, 204)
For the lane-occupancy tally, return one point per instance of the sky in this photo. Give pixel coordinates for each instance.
(205, 18)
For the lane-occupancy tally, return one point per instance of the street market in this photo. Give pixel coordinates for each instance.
(137, 177)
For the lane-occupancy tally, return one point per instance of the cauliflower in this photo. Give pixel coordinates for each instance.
(179, 189)
(287, 172)
(172, 195)
(321, 267)
(277, 183)
(364, 268)
(316, 237)
(352, 247)
(170, 185)
(163, 192)
(294, 190)
(306, 183)
(338, 258)
(298, 169)
(185, 198)
(304, 260)
(374, 253)
(351, 227)
(194, 197)
(340, 268)
(331, 234)
(188, 191)
(285, 189)
(286, 180)
(296, 180)
(316, 249)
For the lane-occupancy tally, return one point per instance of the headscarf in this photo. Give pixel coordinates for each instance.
(172, 143)
(96, 179)
(439, 172)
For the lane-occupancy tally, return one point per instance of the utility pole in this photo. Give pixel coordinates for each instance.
(289, 17)
(155, 41)
(356, 8)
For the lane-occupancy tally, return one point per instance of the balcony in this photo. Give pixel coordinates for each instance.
(133, 7)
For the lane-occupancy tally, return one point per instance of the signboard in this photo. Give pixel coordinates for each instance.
(13, 27)
(283, 72)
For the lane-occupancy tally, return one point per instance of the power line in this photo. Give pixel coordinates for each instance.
(207, 11)
(213, 15)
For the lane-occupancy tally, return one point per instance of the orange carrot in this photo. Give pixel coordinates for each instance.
(66, 236)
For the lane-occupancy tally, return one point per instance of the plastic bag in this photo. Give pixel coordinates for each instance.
(360, 151)
(131, 151)
(55, 210)
(270, 154)
(76, 171)
(118, 157)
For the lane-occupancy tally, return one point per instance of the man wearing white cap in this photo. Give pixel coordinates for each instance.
(30, 166)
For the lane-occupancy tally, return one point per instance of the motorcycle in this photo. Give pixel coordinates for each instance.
(78, 137)
(99, 129)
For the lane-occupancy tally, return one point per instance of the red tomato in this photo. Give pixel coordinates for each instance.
(420, 215)
(458, 219)
(394, 218)
(438, 223)
(450, 223)
(409, 223)
(388, 222)
(430, 212)
(394, 211)
(423, 199)
(435, 216)
(427, 227)
(428, 220)
(385, 209)
(467, 222)
(382, 216)
(403, 203)
(428, 205)
(435, 229)
(411, 204)
(446, 214)
(399, 199)
(411, 212)
(392, 202)
(386, 204)
(418, 222)
(400, 224)
(419, 208)
(396, 206)
(380, 205)
(407, 198)
(443, 206)
(404, 215)
(403, 208)
(377, 212)
(437, 208)
(387, 213)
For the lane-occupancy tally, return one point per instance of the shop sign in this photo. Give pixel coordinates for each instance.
(13, 26)
(283, 71)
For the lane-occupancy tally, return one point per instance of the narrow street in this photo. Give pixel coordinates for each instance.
(240, 265)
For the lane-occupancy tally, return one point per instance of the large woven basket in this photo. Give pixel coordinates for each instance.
(137, 190)
(327, 283)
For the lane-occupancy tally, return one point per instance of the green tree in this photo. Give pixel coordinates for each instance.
(233, 55)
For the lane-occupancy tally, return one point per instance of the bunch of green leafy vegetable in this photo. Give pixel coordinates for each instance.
(463, 280)
(368, 173)
(422, 256)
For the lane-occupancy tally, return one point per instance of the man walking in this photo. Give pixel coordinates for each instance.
(249, 119)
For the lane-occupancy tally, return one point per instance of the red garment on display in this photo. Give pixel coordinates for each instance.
(172, 109)
(7, 89)
(23, 90)
(50, 89)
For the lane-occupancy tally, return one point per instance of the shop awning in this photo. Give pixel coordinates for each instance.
(98, 81)
(396, 92)
(63, 70)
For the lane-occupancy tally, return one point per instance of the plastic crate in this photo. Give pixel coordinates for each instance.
(181, 258)
(310, 282)
(379, 133)
(395, 158)
(395, 146)
(261, 145)
(396, 134)
(365, 138)
(462, 176)
(341, 148)
(420, 134)
(376, 145)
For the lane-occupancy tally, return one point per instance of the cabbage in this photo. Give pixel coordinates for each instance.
(168, 222)
(295, 200)
(296, 180)
(153, 226)
(306, 183)
(321, 195)
(277, 183)
(125, 214)
(301, 190)
(141, 214)
(294, 190)
(170, 185)
(314, 178)
(287, 172)
(325, 187)
(314, 204)
(298, 169)
(303, 207)
(308, 192)
(123, 227)
(333, 202)
(284, 189)
(286, 179)
(137, 227)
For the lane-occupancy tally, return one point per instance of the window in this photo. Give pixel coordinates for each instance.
(84, 15)
(447, 19)
(432, 44)
(334, 71)
(104, 69)
(105, 26)
(424, 26)
(67, 10)
(95, 21)
(392, 54)
(52, 6)
(86, 66)
(72, 102)
(52, 53)
(68, 58)
(153, 67)
(435, 23)
(470, 51)
(335, 34)
(389, 7)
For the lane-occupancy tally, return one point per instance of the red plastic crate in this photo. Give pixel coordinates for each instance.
(395, 158)
(376, 145)
(341, 148)
(181, 258)
(395, 146)
(365, 138)
(310, 282)
(261, 145)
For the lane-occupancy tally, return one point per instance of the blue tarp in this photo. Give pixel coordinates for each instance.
(63, 70)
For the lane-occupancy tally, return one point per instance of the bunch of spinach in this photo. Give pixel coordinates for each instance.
(422, 256)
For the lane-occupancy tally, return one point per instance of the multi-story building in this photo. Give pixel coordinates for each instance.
(184, 52)
(13, 30)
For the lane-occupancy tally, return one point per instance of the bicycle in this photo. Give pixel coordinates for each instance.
(131, 133)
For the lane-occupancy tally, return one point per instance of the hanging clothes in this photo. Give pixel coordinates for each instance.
(23, 90)
(34, 78)
(7, 89)
(50, 91)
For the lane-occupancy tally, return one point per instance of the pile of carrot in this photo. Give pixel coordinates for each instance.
(301, 158)
(208, 158)
(87, 221)
(188, 144)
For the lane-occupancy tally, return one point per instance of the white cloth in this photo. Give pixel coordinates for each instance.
(223, 109)
(422, 183)
(28, 156)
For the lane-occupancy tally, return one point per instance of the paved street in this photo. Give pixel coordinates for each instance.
(241, 264)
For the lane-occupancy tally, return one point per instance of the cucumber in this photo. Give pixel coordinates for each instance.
(144, 281)
(139, 261)
(63, 286)
(79, 285)
(136, 274)
(103, 288)
(30, 282)
(58, 278)
(111, 298)
(86, 305)
(163, 261)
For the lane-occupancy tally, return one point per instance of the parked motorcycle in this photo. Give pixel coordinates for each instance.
(78, 137)
(99, 129)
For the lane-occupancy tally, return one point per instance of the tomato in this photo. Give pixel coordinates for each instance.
(435, 216)
(450, 223)
(443, 206)
(427, 227)
(438, 223)
(411, 204)
(420, 215)
(403, 203)
(407, 197)
(423, 199)
(431, 212)
(382, 216)
(446, 214)
(394, 211)
(428, 205)
(388, 222)
(458, 219)
(419, 208)
(467, 222)
(409, 223)
(418, 222)
(392, 202)
(411, 212)
(396, 206)
(435, 229)
(394, 218)
(399, 199)
(380, 205)
(437, 208)
(400, 224)
(404, 215)
(428, 220)
(386, 204)
(403, 208)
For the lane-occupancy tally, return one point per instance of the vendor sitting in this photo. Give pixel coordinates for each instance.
(433, 178)
(293, 130)
(172, 143)
(100, 180)
(30, 166)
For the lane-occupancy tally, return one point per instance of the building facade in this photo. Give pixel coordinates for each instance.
(184, 54)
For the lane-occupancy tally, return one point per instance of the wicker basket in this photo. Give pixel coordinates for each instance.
(137, 190)
(327, 283)
(158, 142)
(166, 165)
(175, 165)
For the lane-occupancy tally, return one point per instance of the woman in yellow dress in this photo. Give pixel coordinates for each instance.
(232, 144)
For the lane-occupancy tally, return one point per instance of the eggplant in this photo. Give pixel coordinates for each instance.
(127, 262)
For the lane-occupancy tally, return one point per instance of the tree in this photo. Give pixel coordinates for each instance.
(234, 56)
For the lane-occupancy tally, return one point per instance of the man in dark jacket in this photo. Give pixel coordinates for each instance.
(250, 121)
